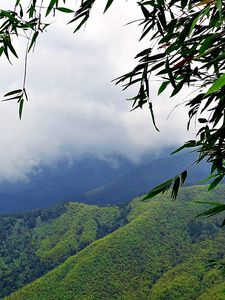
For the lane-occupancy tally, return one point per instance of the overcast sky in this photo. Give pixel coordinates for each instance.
(73, 107)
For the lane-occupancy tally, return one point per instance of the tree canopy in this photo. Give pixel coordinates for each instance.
(186, 47)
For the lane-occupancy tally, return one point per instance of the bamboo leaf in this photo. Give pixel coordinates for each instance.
(212, 211)
(163, 86)
(215, 182)
(218, 84)
(13, 92)
(159, 189)
(50, 7)
(21, 108)
(175, 187)
(65, 10)
(109, 3)
(33, 40)
(183, 176)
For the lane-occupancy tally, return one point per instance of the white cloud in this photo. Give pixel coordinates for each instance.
(74, 108)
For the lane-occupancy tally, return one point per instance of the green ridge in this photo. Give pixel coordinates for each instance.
(34, 243)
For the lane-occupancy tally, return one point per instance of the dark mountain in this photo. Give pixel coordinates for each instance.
(144, 176)
(95, 181)
(60, 182)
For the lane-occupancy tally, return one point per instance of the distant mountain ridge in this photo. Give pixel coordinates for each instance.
(95, 181)
(59, 182)
(144, 176)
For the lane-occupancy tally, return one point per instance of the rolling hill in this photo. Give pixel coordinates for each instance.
(161, 252)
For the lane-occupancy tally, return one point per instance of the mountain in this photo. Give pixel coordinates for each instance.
(145, 175)
(161, 252)
(60, 182)
(33, 243)
(95, 181)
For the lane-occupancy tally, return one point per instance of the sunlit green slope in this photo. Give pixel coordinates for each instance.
(75, 229)
(36, 242)
(162, 253)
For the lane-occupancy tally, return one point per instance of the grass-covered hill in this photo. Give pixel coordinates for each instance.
(162, 253)
(34, 243)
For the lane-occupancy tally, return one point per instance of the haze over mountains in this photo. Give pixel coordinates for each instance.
(92, 180)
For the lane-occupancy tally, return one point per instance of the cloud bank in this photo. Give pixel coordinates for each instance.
(74, 108)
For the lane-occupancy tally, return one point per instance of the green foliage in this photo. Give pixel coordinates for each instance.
(185, 281)
(34, 243)
(163, 252)
(19, 264)
(175, 182)
(75, 229)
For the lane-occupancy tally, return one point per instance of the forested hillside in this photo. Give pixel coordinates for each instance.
(163, 252)
(34, 243)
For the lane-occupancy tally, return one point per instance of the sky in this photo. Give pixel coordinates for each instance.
(74, 108)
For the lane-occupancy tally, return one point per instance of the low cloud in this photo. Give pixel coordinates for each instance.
(74, 108)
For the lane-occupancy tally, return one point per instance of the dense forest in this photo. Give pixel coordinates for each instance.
(34, 243)
(154, 249)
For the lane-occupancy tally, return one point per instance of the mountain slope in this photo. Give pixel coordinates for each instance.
(162, 253)
(34, 243)
(144, 176)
